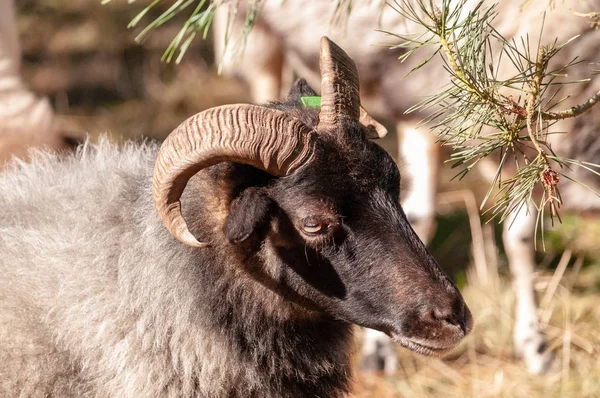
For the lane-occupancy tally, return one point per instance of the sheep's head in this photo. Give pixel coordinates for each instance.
(322, 218)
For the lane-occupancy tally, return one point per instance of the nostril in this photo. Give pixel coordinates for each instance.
(443, 315)
(451, 321)
(455, 315)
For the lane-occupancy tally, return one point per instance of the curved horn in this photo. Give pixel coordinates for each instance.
(339, 86)
(264, 138)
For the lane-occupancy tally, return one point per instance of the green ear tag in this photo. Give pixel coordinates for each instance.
(311, 102)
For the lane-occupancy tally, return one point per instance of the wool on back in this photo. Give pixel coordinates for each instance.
(97, 299)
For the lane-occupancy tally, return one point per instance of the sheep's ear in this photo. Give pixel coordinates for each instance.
(300, 89)
(248, 218)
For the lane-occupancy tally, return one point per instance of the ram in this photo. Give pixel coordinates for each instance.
(281, 43)
(231, 262)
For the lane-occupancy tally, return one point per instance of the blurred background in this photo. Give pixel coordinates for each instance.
(81, 55)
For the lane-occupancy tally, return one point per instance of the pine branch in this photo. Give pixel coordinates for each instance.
(198, 22)
(475, 115)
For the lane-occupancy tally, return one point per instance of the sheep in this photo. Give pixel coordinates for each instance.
(282, 41)
(25, 119)
(229, 262)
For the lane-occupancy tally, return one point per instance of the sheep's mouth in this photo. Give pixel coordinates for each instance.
(422, 348)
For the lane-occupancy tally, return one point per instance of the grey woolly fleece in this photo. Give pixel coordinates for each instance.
(98, 300)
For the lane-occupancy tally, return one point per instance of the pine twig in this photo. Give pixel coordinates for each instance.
(573, 111)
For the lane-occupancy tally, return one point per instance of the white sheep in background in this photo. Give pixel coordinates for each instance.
(283, 40)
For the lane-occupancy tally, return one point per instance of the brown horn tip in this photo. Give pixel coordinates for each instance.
(174, 221)
(340, 98)
(374, 128)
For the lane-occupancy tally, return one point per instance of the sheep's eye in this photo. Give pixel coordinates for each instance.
(313, 227)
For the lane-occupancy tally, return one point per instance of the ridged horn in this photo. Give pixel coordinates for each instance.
(261, 137)
(340, 98)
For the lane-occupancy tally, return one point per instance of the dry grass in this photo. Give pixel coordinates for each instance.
(484, 366)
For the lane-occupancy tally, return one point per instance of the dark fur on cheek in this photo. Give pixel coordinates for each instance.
(248, 218)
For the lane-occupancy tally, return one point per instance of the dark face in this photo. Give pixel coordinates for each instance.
(334, 238)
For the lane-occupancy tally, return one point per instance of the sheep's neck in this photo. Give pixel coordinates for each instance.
(290, 356)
